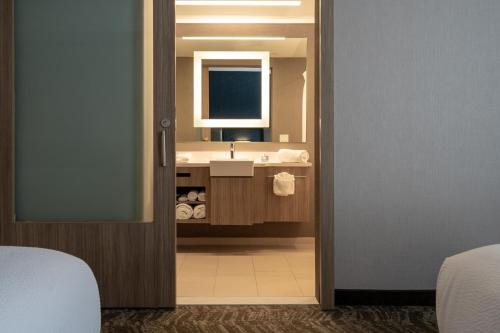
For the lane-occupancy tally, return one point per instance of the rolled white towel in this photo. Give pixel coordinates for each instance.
(202, 196)
(293, 156)
(200, 211)
(192, 195)
(284, 184)
(182, 198)
(182, 157)
(183, 212)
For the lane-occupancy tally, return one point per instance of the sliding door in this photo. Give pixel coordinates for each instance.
(87, 158)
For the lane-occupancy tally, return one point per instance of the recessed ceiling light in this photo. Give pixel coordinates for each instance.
(269, 3)
(231, 38)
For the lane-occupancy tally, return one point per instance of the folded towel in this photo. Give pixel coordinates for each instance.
(284, 184)
(192, 195)
(182, 198)
(183, 212)
(294, 156)
(199, 212)
(182, 157)
(202, 196)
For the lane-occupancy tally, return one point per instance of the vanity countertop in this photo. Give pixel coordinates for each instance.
(202, 159)
(257, 165)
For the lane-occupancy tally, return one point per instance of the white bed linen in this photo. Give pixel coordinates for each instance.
(468, 292)
(46, 291)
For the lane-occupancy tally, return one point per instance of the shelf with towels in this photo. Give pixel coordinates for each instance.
(191, 205)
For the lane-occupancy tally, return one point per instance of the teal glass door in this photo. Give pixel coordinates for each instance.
(83, 110)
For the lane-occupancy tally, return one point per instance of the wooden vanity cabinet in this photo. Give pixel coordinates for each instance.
(293, 208)
(194, 176)
(250, 200)
(233, 200)
(247, 201)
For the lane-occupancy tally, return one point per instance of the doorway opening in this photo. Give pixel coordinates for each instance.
(246, 152)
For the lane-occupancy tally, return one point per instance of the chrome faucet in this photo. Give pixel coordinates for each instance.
(232, 149)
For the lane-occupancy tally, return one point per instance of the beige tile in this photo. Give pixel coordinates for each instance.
(178, 265)
(235, 286)
(302, 266)
(299, 262)
(235, 265)
(270, 263)
(179, 261)
(306, 287)
(300, 255)
(195, 286)
(300, 258)
(282, 284)
(199, 266)
(258, 273)
(305, 271)
(304, 274)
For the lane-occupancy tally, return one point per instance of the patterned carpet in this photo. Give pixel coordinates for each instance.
(265, 319)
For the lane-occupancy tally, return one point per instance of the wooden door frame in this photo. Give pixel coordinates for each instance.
(325, 154)
(130, 260)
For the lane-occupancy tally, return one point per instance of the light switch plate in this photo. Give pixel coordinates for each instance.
(284, 138)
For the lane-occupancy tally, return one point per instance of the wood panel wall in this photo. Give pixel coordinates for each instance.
(134, 263)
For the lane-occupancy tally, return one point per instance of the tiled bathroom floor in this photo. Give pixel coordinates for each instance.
(263, 274)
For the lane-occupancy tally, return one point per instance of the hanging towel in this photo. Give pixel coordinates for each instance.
(182, 157)
(182, 198)
(293, 156)
(199, 211)
(183, 212)
(202, 197)
(192, 195)
(284, 184)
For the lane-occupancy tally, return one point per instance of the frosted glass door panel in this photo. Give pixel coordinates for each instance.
(82, 110)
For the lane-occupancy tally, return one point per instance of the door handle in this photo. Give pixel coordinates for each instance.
(163, 148)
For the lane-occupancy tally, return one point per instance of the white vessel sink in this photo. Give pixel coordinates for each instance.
(231, 168)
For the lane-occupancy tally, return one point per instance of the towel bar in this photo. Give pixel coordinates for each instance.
(294, 176)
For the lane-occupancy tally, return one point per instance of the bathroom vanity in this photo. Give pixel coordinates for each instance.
(258, 94)
(233, 200)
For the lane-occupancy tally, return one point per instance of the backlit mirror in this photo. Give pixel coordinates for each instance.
(251, 89)
(232, 88)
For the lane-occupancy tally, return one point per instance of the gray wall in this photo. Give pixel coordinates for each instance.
(417, 137)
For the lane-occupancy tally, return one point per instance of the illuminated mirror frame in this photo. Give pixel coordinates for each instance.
(199, 56)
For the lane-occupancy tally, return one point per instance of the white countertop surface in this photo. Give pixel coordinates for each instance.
(203, 158)
(257, 165)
